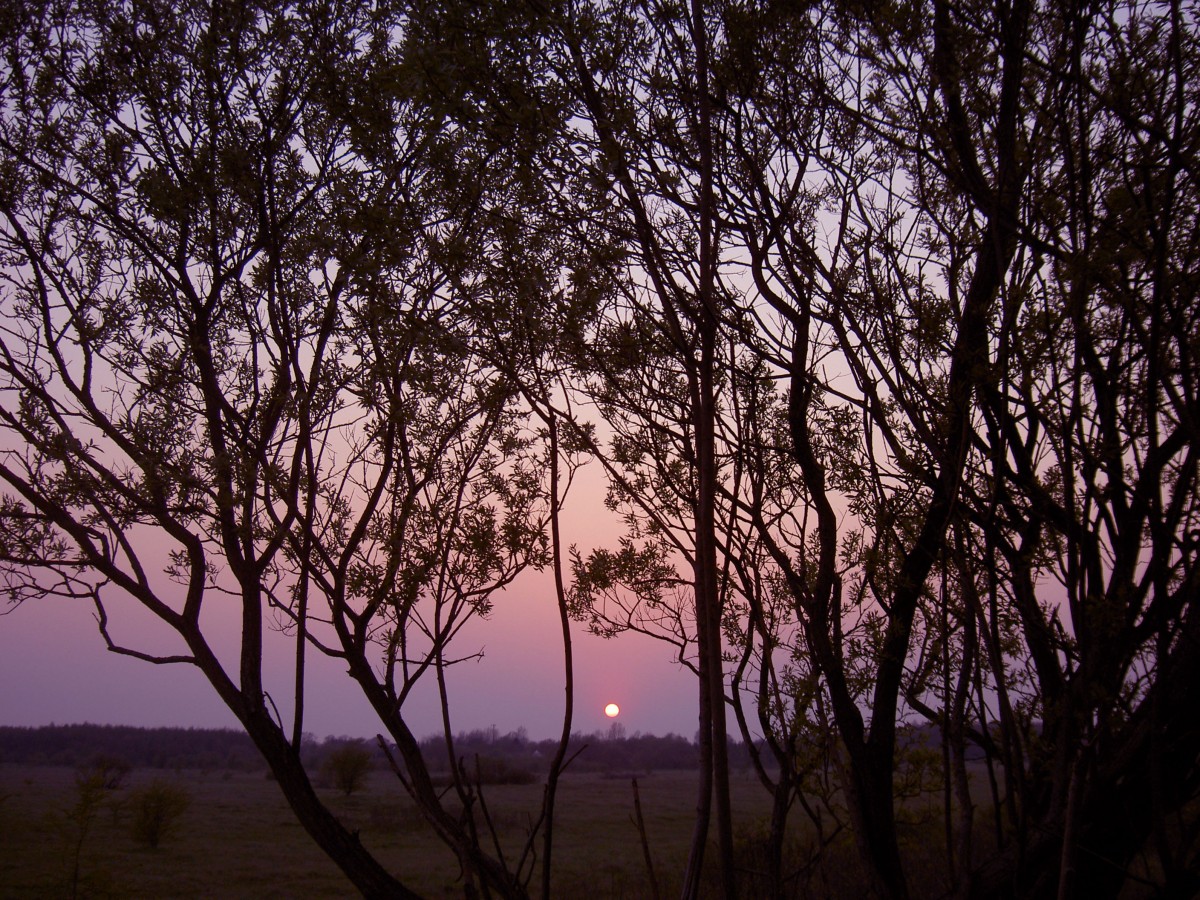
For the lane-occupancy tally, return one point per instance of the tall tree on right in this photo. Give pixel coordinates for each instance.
(884, 282)
(1089, 511)
(987, 314)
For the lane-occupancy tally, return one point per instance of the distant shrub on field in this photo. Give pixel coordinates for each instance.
(490, 770)
(108, 771)
(77, 822)
(156, 810)
(497, 770)
(347, 766)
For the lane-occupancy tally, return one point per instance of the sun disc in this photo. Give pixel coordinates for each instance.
(612, 710)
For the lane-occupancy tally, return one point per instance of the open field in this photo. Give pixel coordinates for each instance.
(239, 839)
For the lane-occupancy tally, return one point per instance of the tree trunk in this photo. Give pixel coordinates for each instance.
(339, 844)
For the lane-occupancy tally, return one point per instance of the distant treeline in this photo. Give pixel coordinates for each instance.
(610, 751)
(487, 752)
(162, 748)
(199, 748)
(498, 756)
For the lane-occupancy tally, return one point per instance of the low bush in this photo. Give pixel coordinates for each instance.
(494, 770)
(156, 811)
(347, 767)
(108, 771)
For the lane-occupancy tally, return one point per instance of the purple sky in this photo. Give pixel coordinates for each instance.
(54, 668)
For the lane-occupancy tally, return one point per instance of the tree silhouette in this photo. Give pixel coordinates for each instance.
(347, 766)
(886, 315)
(238, 361)
(935, 226)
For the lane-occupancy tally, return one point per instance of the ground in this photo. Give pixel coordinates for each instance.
(239, 839)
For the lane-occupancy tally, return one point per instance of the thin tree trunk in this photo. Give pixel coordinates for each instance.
(339, 844)
(704, 781)
(560, 593)
(645, 841)
(706, 415)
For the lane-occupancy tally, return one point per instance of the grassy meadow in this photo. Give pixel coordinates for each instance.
(238, 838)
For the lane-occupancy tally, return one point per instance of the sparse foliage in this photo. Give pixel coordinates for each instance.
(888, 312)
(90, 797)
(347, 766)
(156, 810)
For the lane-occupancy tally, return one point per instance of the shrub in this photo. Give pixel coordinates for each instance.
(495, 770)
(109, 772)
(347, 767)
(156, 811)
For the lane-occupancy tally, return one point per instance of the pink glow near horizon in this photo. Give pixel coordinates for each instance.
(55, 669)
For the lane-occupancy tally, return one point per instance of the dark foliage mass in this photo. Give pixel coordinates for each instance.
(881, 321)
(116, 748)
(156, 809)
(159, 748)
(106, 746)
(608, 752)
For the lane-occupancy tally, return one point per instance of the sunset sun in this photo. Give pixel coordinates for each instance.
(612, 710)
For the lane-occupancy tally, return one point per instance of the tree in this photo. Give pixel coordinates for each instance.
(240, 361)
(347, 766)
(855, 302)
(890, 190)
(1094, 401)
(666, 310)
(888, 313)
(672, 304)
(964, 291)
(157, 808)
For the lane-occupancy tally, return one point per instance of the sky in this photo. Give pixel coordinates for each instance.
(55, 669)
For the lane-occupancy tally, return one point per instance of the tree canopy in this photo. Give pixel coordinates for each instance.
(881, 321)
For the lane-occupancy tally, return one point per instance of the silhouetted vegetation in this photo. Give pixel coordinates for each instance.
(158, 748)
(110, 751)
(107, 770)
(880, 320)
(347, 766)
(598, 752)
(77, 821)
(155, 811)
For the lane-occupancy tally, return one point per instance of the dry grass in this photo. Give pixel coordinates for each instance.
(238, 838)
